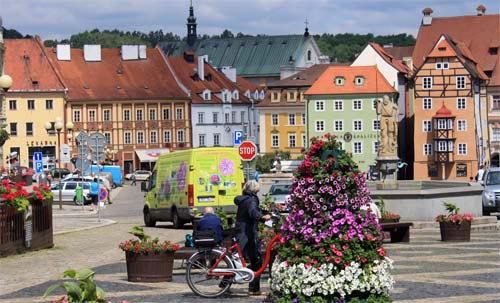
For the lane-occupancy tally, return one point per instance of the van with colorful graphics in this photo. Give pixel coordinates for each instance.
(184, 182)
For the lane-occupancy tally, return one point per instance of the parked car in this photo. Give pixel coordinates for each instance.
(68, 191)
(102, 180)
(56, 173)
(280, 192)
(140, 175)
(491, 192)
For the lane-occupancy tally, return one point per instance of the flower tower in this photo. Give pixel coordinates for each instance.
(331, 249)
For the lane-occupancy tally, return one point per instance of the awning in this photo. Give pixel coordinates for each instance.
(150, 155)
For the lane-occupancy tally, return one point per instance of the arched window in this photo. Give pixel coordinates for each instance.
(309, 55)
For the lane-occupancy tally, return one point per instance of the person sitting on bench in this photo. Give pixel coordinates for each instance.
(210, 221)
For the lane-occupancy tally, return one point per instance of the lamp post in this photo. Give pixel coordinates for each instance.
(5, 84)
(58, 126)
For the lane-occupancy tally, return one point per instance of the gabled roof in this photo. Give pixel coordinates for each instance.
(115, 79)
(251, 56)
(374, 81)
(215, 81)
(29, 66)
(304, 78)
(443, 112)
(395, 62)
(475, 33)
(399, 52)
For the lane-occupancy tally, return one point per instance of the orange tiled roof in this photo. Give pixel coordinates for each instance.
(399, 52)
(29, 67)
(186, 72)
(477, 33)
(374, 81)
(115, 79)
(443, 112)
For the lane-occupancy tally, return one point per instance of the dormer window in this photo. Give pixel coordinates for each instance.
(226, 96)
(262, 95)
(442, 49)
(236, 95)
(207, 95)
(248, 94)
(339, 81)
(256, 95)
(359, 81)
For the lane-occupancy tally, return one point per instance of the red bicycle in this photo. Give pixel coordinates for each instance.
(212, 270)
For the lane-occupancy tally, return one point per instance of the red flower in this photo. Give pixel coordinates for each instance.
(297, 246)
(337, 260)
(381, 251)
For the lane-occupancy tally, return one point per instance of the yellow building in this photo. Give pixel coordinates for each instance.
(36, 97)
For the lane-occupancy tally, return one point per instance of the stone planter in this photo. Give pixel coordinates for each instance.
(455, 232)
(150, 268)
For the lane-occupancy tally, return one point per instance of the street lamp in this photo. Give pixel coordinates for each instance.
(58, 126)
(5, 85)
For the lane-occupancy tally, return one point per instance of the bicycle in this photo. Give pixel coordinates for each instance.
(218, 268)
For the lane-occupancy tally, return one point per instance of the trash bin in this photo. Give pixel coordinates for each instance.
(79, 195)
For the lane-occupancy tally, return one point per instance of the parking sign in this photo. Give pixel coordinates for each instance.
(238, 136)
(38, 162)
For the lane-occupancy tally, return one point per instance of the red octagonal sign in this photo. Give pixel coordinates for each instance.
(247, 150)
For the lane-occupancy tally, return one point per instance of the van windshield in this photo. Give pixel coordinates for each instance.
(493, 177)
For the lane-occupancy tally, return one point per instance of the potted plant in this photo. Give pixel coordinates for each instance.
(386, 216)
(454, 226)
(148, 260)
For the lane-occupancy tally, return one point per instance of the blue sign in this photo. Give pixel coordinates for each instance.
(38, 162)
(238, 136)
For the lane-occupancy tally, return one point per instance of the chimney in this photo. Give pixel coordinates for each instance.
(408, 61)
(201, 66)
(63, 52)
(230, 73)
(130, 52)
(427, 20)
(481, 10)
(92, 52)
(189, 56)
(143, 51)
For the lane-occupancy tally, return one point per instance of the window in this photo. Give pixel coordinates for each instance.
(357, 147)
(496, 101)
(152, 114)
(179, 113)
(106, 115)
(108, 138)
(166, 114)
(444, 124)
(338, 105)
(374, 104)
(339, 81)
(493, 50)
(303, 143)
(427, 149)
(303, 119)
(206, 95)
(201, 140)
(375, 125)
(236, 95)
(359, 81)
(357, 105)
(49, 104)
(76, 116)
(427, 82)
(291, 119)
(92, 117)
(31, 104)
(375, 147)
(427, 103)
(233, 117)
(140, 137)
(462, 125)
(291, 96)
(274, 120)
(275, 141)
(461, 170)
(226, 118)
(166, 136)
(338, 125)
(309, 55)
(215, 117)
(180, 136)
(12, 104)
(495, 134)
(432, 170)
(442, 65)
(320, 106)
(243, 114)
(460, 82)
(461, 103)
(216, 139)
(201, 118)
(153, 137)
(320, 126)
(275, 96)
(357, 125)
(29, 128)
(427, 126)
(126, 114)
(138, 115)
(462, 149)
(127, 138)
(292, 140)
(445, 146)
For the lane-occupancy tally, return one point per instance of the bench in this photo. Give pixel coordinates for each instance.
(400, 231)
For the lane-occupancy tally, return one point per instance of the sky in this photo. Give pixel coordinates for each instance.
(59, 19)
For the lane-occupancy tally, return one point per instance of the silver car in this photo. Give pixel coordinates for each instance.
(491, 192)
(68, 191)
(280, 192)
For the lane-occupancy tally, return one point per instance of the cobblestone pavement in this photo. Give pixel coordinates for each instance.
(425, 270)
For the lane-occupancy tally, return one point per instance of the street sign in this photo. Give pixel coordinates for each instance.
(97, 143)
(238, 136)
(82, 163)
(103, 194)
(38, 162)
(247, 150)
(65, 153)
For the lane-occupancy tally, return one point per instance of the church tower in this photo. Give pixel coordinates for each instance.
(191, 26)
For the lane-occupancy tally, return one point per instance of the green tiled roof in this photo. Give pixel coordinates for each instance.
(251, 56)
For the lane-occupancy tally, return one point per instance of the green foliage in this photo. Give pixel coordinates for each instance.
(139, 233)
(4, 136)
(83, 290)
(264, 163)
(223, 217)
(451, 208)
(12, 34)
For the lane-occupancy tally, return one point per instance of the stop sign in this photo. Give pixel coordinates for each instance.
(247, 150)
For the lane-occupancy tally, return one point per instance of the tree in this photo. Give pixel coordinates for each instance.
(226, 34)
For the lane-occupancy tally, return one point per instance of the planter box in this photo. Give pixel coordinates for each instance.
(455, 232)
(150, 268)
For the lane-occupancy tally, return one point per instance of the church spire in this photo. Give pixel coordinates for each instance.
(191, 26)
(306, 32)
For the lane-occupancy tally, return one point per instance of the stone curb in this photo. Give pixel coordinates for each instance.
(104, 222)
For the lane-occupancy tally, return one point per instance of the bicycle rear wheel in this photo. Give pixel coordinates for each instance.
(197, 274)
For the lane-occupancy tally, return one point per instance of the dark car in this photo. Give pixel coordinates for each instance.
(56, 173)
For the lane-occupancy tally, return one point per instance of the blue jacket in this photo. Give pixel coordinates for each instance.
(211, 222)
(94, 188)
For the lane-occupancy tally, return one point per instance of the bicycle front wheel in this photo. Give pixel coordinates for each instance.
(197, 274)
